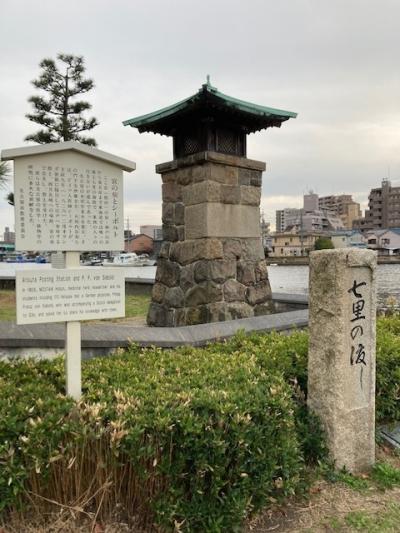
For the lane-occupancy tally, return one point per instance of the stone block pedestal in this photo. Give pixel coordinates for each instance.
(211, 266)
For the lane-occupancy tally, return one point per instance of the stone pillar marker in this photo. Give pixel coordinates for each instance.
(211, 266)
(341, 365)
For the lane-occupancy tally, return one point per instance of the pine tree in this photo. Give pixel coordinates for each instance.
(59, 112)
(4, 173)
(10, 198)
(4, 176)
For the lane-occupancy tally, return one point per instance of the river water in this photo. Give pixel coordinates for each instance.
(290, 279)
(294, 279)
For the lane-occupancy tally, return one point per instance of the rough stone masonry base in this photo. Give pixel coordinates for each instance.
(211, 266)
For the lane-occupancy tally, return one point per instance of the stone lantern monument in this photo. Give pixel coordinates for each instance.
(211, 265)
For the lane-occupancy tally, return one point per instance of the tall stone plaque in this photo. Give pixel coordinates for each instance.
(341, 366)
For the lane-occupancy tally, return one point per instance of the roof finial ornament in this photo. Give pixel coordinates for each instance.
(208, 80)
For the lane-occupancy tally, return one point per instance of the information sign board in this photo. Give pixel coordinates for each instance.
(68, 197)
(73, 294)
(67, 201)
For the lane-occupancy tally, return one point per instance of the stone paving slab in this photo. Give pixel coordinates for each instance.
(116, 335)
(391, 435)
(284, 297)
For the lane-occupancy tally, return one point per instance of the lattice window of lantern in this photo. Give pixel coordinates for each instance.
(227, 141)
(191, 145)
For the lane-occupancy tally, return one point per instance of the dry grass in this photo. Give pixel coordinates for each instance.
(331, 507)
(78, 497)
(337, 507)
(64, 522)
(327, 510)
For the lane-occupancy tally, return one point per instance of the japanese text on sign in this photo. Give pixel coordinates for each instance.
(68, 208)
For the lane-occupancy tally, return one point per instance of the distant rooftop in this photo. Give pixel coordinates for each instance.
(348, 232)
(380, 232)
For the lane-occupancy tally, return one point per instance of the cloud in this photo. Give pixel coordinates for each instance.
(335, 63)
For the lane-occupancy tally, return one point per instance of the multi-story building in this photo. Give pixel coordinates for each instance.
(310, 218)
(343, 206)
(383, 209)
(294, 244)
(361, 224)
(284, 218)
(9, 236)
(319, 220)
(310, 202)
(265, 232)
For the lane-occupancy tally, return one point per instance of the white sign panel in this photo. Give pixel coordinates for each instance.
(62, 295)
(68, 201)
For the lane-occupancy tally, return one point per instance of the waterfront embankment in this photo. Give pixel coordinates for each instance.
(297, 261)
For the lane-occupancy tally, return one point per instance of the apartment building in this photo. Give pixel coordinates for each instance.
(293, 244)
(383, 209)
(343, 206)
(310, 218)
(9, 236)
(285, 217)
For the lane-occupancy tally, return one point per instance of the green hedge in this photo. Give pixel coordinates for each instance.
(195, 439)
(289, 355)
(388, 369)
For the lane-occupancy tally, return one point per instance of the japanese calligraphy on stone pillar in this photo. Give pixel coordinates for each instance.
(63, 206)
(359, 324)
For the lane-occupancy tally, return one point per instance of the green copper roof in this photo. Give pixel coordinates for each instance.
(160, 121)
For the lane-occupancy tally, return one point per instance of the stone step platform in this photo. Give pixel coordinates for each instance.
(46, 340)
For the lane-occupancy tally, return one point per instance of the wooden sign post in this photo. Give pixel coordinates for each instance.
(73, 350)
(68, 197)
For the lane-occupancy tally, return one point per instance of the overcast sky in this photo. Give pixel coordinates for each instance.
(335, 62)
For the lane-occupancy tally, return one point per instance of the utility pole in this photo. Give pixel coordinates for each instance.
(128, 225)
(301, 233)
